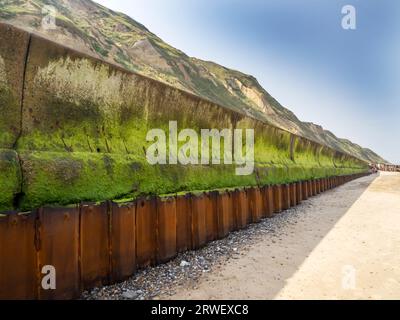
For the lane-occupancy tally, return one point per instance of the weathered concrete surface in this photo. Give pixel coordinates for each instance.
(84, 125)
(341, 244)
(10, 178)
(13, 50)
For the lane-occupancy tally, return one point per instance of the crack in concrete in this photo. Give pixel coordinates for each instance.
(19, 195)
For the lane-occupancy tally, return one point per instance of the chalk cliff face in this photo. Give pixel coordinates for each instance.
(117, 38)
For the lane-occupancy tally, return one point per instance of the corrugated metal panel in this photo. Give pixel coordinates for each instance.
(183, 223)
(199, 224)
(212, 215)
(299, 192)
(285, 196)
(59, 247)
(277, 198)
(241, 208)
(94, 245)
(225, 214)
(18, 267)
(123, 240)
(166, 209)
(270, 200)
(304, 185)
(310, 188)
(146, 231)
(293, 195)
(255, 204)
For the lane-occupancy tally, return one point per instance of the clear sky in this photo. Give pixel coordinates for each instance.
(345, 80)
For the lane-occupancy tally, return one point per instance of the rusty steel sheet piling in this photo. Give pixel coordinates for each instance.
(258, 209)
(94, 245)
(270, 201)
(306, 193)
(241, 208)
(312, 187)
(255, 204)
(199, 223)
(285, 196)
(299, 193)
(277, 198)
(309, 188)
(293, 195)
(267, 201)
(249, 217)
(212, 215)
(183, 223)
(264, 201)
(166, 240)
(123, 240)
(225, 214)
(146, 231)
(18, 259)
(58, 231)
(235, 195)
(304, 187)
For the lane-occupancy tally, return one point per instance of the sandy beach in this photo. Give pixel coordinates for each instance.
(343, 245)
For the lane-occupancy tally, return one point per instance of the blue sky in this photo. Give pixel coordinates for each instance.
(345, 80)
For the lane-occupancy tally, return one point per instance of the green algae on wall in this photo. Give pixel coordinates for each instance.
(9, 109)
(84, 126)
(10, 178)
(13, 48)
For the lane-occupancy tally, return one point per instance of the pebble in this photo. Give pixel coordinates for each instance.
(129, 294)
(184, 263)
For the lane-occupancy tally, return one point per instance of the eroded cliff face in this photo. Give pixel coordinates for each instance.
(80, 133)
(116, 38)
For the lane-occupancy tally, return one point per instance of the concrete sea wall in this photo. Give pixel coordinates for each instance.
(73, 128)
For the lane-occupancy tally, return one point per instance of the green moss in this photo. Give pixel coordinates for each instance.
(10, 178)
(84, 139)
(9, 110)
